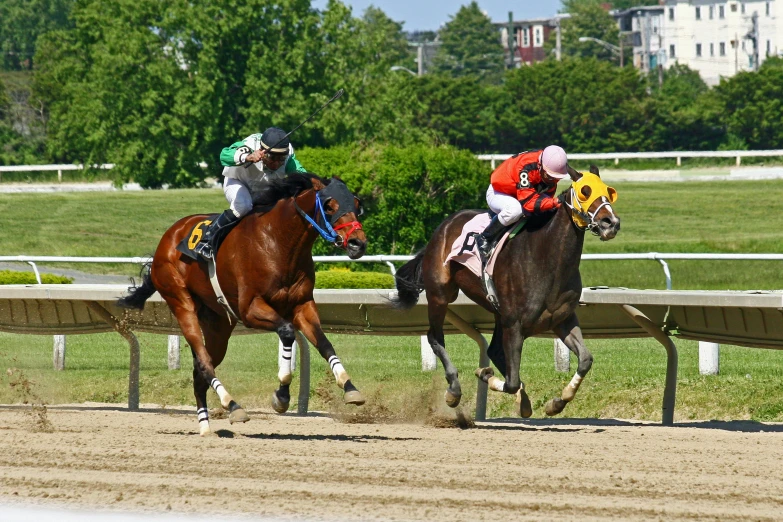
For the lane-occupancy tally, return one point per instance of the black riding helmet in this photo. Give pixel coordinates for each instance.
(271, 141)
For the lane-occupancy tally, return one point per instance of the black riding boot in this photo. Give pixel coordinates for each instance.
(486, 241)
(206, 247)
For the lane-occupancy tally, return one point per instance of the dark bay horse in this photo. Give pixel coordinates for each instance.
(266, 272)
(537, 281)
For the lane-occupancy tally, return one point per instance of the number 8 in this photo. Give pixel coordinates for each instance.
(523, 180)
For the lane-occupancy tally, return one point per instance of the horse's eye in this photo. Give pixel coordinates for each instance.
(584, 194)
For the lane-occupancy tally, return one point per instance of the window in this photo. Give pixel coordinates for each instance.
(538, 37)
(712, 49)
(742, 9)
(721, 12)
(733, 8)
(768, 48)
(767, 8)
(671, 12)
(698, 13)
(723, 48)
(698, 49)
(671, 51)
(712, 12)
(525, 37)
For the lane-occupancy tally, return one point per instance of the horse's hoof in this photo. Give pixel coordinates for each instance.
(354, 397)
(238, 415)
(555, 406)
(483, 374)
(523, 407)
(278, 405)
(452, 400)
(209, 434)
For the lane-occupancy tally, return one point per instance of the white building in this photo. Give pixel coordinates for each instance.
(713, 37)
(716, 37)
(643, 28)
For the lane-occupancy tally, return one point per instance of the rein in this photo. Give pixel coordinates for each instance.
(328, 232)
(584, 215)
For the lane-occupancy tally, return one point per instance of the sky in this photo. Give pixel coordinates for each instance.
(431, 14)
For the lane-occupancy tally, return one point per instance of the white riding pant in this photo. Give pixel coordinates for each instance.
(239, 199)
(508, 208)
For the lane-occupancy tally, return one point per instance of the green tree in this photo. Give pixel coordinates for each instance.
(470, 45)
(22, 22)
(588, 19)
(685, 114)
(584, 105)
(752, 105)
(407, 191)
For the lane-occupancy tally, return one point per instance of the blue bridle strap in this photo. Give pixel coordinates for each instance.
(328, 232)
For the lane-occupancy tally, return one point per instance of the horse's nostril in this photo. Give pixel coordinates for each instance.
(606, 222)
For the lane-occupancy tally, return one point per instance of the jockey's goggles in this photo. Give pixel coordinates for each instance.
(276, 157)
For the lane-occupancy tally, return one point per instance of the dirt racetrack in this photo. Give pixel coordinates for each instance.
(315, 468)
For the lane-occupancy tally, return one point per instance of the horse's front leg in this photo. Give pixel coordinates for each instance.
(262, 316)
(571, 335)
(512, 341)
(307, 321)
(281, 398)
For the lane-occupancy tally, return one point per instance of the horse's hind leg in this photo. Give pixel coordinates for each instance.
(217, 329)
(437, 315)
(281, 398)
(307, 321)
(184, 309)
(571, 335)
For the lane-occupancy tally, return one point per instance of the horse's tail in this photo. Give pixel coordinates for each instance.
(409, 282)
(137, 295)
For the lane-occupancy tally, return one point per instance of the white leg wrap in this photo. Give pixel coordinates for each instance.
(570, 391)
(340, 375)
(575, 381)
(203, 420)
(284, 364)
(496, 384)
(225, 398)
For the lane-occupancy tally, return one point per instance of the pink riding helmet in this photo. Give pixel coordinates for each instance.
(555, 162)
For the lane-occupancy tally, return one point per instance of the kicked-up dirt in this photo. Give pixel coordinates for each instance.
(316, 468)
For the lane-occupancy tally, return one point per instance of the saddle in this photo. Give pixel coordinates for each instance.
(464, 251)
(187, 246)
(189, 242)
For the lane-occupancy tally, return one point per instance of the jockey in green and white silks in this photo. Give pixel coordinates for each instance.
(249, 165)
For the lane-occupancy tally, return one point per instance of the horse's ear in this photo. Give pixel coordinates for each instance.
(573, 173)
(594, 170)
(317, 183)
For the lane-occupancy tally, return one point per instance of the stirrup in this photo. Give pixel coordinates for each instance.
(204, 250)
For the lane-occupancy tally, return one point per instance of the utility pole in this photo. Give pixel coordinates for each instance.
(511, 40)
(558, 42)
(755, 20)
(420, 57)
(645, 43)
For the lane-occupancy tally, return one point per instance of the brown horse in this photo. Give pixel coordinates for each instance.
(537, 282)
(266, 272)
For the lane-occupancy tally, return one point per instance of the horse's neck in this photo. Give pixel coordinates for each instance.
(292, 235)
(559, 242)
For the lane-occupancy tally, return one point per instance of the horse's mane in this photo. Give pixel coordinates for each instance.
(286, 187)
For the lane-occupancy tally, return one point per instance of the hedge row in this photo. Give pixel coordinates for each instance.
(327, 279)
(346, 279)
(8, 277)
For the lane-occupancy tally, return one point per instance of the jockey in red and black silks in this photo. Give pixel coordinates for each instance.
(523, 185)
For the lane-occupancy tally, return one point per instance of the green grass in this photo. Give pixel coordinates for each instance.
(705, 217)
(627, 377)
(626, 381)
